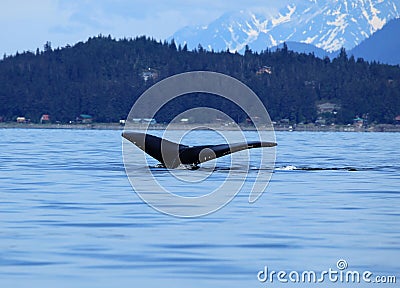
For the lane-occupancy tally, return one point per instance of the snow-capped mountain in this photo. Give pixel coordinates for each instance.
(328, 24)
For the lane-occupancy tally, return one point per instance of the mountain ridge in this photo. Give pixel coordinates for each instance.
(381, 46)
(329, 25)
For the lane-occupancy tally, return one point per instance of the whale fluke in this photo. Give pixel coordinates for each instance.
(171, 154)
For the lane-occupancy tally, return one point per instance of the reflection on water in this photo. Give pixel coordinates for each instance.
(69, 217)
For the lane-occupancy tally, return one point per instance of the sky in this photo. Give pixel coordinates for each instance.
(26, 25)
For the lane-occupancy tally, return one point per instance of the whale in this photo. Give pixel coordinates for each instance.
(172, 155)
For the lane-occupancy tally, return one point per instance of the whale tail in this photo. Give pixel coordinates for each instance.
(171, 154)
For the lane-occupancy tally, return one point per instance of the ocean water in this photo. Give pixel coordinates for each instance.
(70, 218)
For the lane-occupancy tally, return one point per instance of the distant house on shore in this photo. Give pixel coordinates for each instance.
(320, 121)
(358, 122)
(84, 119)
(327, 107)
(21, 119)
(149, 74)
(45, 119)
(137, 120)
(264, 70)
(150, 121)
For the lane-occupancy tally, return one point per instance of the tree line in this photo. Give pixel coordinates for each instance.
(103, 77)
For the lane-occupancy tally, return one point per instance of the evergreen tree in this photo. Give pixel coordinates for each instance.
(103, 77)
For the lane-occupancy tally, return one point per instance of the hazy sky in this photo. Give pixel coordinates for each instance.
(27, 25)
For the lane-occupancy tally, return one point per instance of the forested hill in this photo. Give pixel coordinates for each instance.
(103, 77)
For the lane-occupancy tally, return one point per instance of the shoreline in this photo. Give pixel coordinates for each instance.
(289, 128)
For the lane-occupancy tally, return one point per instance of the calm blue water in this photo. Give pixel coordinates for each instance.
(69, 217)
